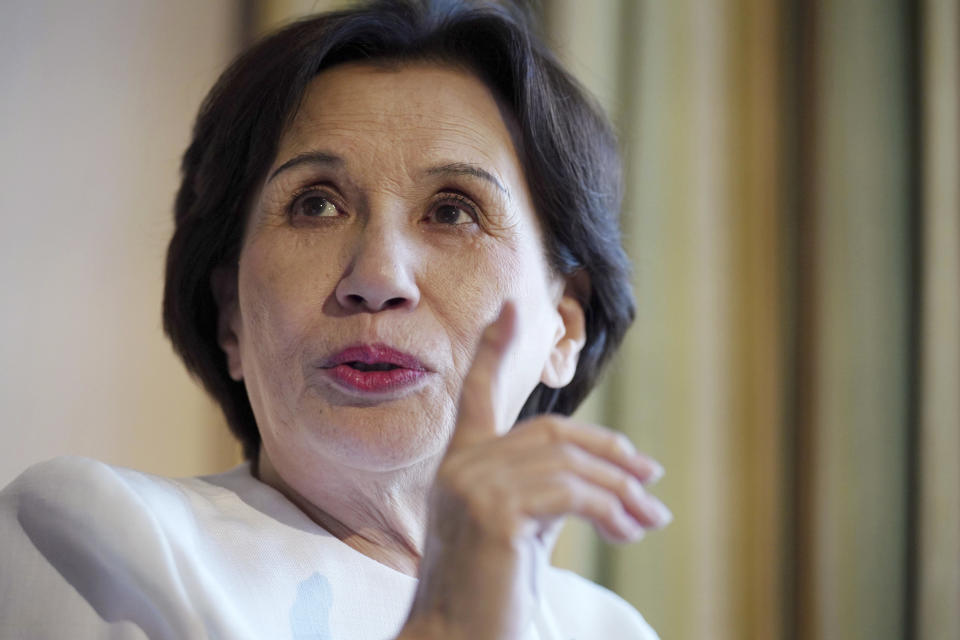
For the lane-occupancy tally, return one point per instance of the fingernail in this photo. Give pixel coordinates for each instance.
(649, 469)
(656, 471)
(660, 515)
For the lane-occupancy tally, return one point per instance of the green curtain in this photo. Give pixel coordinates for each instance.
(936, 597)
(792, 213)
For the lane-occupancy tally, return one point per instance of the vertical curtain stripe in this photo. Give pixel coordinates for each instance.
(857, 476)
(937, 598)
(757, 279)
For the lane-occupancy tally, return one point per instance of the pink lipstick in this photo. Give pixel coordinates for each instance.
(374, 369)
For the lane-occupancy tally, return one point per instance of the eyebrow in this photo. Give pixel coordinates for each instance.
(310, 157)
(466, 169)
(448, 169)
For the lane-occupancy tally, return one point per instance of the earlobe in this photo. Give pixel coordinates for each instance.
(223, 284)
(570, 337)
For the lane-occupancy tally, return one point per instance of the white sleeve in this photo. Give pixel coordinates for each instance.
(575, 608)
(81, 557)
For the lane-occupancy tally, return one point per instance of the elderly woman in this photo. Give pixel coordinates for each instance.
(396, 266)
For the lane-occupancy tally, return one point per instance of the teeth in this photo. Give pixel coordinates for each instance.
(376, 366)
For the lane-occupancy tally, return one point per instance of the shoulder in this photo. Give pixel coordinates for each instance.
(74, 488)
(43, 474)
(87, 536)
(87, 506)
(84, 518)
(59, 488)
(64, 473)
(585, 610)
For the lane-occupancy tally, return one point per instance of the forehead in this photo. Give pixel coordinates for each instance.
(413, 113)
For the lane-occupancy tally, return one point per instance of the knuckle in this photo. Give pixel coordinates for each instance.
(545, 429)
(612, 503)
(569, 499)
(625, 486)
(554, 429)
(610, 509)
(619, 443)
(568, 454)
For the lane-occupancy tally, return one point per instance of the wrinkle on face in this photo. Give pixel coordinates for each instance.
(386, 130)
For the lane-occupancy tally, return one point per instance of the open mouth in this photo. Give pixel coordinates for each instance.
(371, 366)
(371, 358)
(375, 369)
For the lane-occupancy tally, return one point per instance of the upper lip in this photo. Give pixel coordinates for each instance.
(373, 354)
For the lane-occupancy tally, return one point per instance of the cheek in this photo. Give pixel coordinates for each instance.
(533, 290)
(468, 291)
(280, 297)
(465, 290)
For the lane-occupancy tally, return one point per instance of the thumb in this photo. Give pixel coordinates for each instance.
(480, 414)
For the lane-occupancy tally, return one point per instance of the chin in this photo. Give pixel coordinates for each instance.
(379, 440)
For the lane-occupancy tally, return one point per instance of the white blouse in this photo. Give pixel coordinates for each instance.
(93, 551)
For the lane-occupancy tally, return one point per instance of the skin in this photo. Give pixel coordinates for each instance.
(397, 212)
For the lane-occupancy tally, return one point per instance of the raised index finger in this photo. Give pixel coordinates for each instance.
(480, 413)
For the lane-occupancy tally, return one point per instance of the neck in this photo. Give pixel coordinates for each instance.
(381, 515)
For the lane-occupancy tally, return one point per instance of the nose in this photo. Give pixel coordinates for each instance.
(381, 273)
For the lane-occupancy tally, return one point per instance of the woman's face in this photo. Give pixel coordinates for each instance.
(393, 224)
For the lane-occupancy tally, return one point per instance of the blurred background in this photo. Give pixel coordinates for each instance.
(793, 213)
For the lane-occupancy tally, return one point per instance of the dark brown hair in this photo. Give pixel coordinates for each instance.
(567, 147)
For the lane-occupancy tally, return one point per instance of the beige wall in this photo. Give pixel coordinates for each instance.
(97, 103)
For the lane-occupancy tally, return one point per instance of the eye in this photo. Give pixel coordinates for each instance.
(453, 210)
(313, 204)
(451, 214)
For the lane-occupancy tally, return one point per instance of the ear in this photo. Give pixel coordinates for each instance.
(223, 283)
(569, 339)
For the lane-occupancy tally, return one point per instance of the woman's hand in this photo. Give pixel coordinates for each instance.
(498, 502)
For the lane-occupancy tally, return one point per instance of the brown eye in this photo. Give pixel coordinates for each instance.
(314, 205)
(451, 214)
(452, 209)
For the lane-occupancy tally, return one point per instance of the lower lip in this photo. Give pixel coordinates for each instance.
(375, 381)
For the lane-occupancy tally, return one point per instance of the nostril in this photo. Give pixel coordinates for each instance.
(356, 300)
(370, 286)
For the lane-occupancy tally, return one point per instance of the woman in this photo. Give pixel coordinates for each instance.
(396, 266)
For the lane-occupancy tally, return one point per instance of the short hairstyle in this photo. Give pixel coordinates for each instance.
(566, 147)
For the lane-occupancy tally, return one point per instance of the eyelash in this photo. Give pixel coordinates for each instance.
(317, 191)
(452, 198)
(458, 200)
